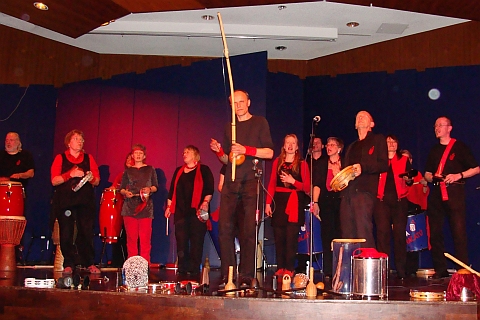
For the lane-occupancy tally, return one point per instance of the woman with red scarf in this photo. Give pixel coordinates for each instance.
(190, 193)
(289, 184)
(138, 183)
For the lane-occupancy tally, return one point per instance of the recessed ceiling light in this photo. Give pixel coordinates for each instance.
(208, 17)
(282, 7)
(40, 6)
(281, 48)
(353, 24)
(107, 23)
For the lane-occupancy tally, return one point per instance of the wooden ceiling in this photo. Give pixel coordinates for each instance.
(75, 18)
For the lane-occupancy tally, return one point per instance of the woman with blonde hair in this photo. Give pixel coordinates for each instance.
(288, 188)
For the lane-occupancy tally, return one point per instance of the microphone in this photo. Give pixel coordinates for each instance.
(317, 119)
(255, 162)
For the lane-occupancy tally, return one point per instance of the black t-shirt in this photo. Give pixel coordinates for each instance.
(16, 163)
(254, 132)
(459, 159)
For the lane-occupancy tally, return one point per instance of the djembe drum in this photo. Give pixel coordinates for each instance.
(59, 259)
(11, 198)
(11, 231)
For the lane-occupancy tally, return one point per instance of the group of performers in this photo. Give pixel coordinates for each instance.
(383, 186)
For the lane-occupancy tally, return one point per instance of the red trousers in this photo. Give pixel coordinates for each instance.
(138, 229)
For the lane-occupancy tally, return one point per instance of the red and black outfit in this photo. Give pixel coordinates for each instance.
(459, 159)
(288, 216)
(329, 204)
(358, 199)
(137, 214)
(392, 208)
(254, 132)
(72, 208)
(187, 192)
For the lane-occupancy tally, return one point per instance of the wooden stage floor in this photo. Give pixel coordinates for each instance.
(105, 299)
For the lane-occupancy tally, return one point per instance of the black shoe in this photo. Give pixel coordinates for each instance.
(440, 275)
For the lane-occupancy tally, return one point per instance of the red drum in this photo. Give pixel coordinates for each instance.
(110, 215)
(11, 198)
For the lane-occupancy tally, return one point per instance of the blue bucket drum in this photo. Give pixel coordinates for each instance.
(416, 232)
(304, 236)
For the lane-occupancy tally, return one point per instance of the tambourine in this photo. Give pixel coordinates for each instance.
(341, 179)
(82, 182)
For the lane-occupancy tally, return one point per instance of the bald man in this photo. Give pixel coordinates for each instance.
(369, 157)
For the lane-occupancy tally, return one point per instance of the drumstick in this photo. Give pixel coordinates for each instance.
(449, 256)
(166, 231)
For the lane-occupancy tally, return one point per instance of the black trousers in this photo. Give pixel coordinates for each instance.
(388, 213)
(356, 210)
(190, 235)
(232, 193)
(286, 245)
(330, 225)
(454, 210)
(83, 217)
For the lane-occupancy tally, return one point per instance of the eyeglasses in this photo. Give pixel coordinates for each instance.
(11, 140)
(78, 139)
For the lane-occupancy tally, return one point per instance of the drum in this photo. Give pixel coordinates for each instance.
(110, 215)
(342, 263)
(369, 273)
(11, 198)
(341, 179)
(304, 236)
(11, 231)
(417, 238)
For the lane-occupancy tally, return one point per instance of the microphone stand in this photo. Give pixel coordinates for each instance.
(310, 151)
(258, 175)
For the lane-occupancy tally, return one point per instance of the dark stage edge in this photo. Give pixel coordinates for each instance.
(18, 302)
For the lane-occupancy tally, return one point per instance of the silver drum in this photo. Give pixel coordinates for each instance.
(370, 276)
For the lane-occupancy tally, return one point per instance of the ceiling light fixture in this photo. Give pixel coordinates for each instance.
(208, 17)
(281, 48)
(282, 7)
(107, 23)
(41, 6)
(353, 24)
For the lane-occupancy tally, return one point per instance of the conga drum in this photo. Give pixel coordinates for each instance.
(110, 215)
(11, 231)
(11, 198)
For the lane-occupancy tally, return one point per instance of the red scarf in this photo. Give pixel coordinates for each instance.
(197, 188)
(441, 166)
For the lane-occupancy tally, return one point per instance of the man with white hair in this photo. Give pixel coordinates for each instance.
(16, 164)
(369, 157)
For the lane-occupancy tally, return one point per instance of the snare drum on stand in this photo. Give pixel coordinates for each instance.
(11, 198)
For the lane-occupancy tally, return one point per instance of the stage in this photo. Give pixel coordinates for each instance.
(105, 299)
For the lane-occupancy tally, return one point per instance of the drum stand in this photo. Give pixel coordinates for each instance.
(105, 240)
